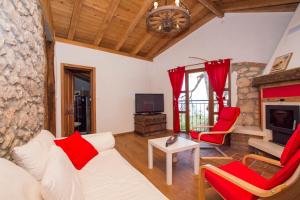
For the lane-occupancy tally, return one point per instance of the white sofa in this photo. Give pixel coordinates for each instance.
(107, 176)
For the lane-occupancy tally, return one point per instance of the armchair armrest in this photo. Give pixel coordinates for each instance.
(212, 132)
(241, 183)
(261, 158)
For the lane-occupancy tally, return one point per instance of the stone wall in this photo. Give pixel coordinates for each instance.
(248, 96)
(22, 65)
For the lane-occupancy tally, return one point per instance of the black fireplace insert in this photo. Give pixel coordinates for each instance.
(282, 120)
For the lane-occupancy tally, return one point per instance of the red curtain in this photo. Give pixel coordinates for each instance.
(217, 74)
(176, 77)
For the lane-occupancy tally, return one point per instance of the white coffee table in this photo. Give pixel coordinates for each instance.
(181, 144)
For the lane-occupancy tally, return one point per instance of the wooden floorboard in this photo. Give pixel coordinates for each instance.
(185, 183)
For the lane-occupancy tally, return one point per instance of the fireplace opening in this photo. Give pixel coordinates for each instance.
(282, 120)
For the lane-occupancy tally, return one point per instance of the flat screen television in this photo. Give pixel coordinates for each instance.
(149, 103)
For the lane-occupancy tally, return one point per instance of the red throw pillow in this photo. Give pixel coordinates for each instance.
(291, 147)
(79, 151)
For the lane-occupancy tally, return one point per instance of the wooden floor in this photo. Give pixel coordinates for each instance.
(185, 183)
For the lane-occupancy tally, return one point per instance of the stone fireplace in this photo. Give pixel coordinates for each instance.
(280, 110)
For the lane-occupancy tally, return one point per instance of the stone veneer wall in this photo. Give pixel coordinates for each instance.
(22, 65)
(248, 96)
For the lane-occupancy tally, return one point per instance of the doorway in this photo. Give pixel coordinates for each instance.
(197, 102)
(78, 99)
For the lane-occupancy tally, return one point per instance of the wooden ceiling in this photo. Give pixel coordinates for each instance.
(119, 26)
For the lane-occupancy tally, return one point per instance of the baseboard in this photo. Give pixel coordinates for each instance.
(131, 132)
(170, 131)
(122, 133)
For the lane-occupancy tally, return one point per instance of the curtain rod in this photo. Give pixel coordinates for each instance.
(201, 63)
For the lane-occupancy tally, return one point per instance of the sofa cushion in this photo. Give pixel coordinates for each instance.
(79, 150)
(33, 155)
(110, 176)
(60, 181)
(101, 141)
(16, 183)
(291, 147)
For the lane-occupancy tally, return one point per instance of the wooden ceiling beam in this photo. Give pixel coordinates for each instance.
(194, 27)
(249, 4)
(142, 43)
(48, 20)
(158, 46)
(74, 18)
(136, 20)
(280, 8)
(112, 8)
(92, 46)
(213, 7)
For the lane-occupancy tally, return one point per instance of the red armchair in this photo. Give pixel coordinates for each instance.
(216, 137)
(235, 181)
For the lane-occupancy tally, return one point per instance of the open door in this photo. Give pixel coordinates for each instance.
(78, 99)
(68, 112)
(197, 102)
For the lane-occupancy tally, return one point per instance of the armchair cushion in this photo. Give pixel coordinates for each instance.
(231, 191)
(286, 172)
(291, 147)
(229, 113)
(222, 125)
(213, 138)
(227, 118)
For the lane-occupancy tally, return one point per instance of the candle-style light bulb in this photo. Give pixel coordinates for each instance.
(155, 4)
(177, 2)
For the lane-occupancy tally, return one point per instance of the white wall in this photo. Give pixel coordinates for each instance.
(243, 37)
(290, 42)
(118, 78)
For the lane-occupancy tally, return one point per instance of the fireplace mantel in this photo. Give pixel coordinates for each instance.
(284, 76)
(282, 88)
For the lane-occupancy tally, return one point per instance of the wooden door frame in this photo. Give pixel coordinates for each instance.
(210, 100)
(92, 71)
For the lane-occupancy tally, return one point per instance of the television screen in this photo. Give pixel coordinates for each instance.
(149, 103)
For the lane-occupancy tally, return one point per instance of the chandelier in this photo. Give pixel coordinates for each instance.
(164, 17)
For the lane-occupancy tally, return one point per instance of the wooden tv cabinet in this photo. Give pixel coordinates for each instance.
(149, 124)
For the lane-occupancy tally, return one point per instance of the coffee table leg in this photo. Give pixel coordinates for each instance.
(150, 156)
(169, 168)
(196, 160)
